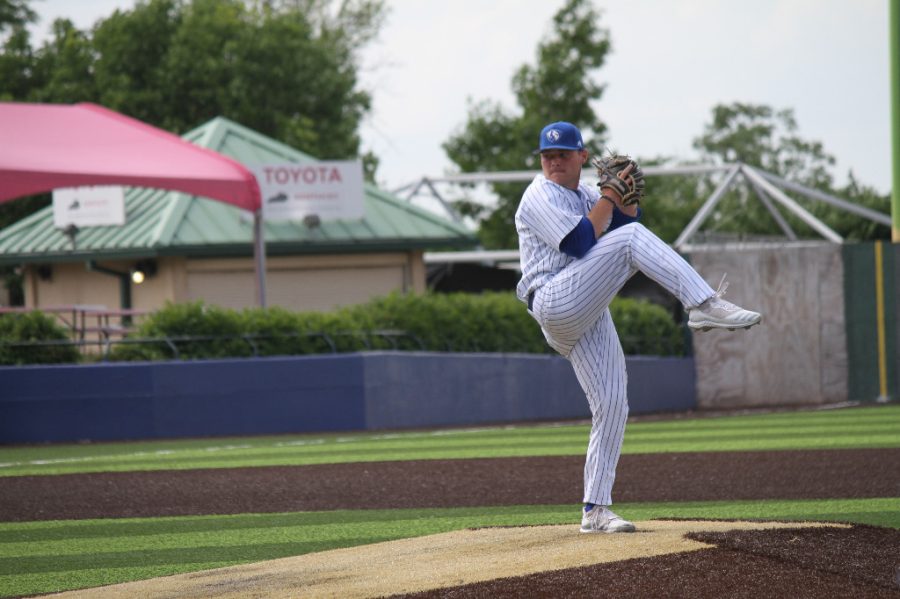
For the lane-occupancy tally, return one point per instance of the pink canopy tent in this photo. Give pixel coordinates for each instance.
(48, 146)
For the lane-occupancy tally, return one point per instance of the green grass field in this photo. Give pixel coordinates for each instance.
(40, 557)
(877, 426)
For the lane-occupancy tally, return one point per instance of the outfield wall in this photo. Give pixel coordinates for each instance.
(822, 340)
(343, 392)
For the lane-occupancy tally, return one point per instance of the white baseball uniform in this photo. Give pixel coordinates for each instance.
(570, 299)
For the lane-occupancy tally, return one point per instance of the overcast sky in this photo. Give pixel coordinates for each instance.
(671, 62)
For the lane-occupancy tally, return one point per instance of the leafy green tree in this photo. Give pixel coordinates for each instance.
(16, 57)
(15, 14)
(286, 69)
(130, 69)
(64, 67)
(760, 136)
(16, 65)
(560, 86)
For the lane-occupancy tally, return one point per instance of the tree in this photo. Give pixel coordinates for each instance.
(15, 14)
(130, 69)
(559, 87)
(64, 67)
(763, 137)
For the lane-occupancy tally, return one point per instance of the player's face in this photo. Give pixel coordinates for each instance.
(563, 167)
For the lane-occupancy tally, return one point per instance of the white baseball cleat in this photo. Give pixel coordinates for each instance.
(716, 313)
(602, 519)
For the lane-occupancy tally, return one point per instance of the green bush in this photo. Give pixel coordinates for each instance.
(646, 328)
(190, 330)
(455, 322)
(34, 338)
(459, 322)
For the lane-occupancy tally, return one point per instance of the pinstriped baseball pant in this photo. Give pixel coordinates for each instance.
(573, 310)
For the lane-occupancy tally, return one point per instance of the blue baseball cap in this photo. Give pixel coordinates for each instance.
(560, 136)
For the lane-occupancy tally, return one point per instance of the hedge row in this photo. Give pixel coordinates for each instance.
(456, 322)
(34, 338)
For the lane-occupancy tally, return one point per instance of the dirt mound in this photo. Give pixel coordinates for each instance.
(558, 561)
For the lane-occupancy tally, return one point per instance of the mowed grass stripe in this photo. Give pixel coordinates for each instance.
(571, 435)
(858, 415)
(722, 443)
(532, 450)
(869, 421)
(40, 557)
(832, 429)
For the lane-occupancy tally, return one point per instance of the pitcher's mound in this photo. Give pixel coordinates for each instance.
(431, 562)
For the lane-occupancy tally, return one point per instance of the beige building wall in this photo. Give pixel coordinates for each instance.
(72, 283)
(69, 283)
(293, 282)
(306, 282)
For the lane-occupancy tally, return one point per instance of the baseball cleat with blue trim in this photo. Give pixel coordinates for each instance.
(602, 519)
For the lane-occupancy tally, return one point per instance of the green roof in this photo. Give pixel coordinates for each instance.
(169, 223)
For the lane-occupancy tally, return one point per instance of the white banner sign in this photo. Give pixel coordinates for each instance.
(89, 206)
(329, 190)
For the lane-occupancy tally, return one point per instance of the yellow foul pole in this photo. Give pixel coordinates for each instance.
(894, 45)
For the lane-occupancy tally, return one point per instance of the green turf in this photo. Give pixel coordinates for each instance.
(875, 426)
(40, 557)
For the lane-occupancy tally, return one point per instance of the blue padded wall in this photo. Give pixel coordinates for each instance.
(297, 394)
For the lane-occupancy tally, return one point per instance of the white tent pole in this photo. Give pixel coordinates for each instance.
(706, 208)
(259, 257)
(779, 196)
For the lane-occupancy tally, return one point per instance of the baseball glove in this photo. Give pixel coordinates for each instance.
(622, 174)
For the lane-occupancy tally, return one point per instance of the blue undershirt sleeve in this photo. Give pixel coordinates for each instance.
(579, 240)
(619, 218)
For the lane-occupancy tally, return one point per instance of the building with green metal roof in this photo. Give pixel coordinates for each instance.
(200, 249)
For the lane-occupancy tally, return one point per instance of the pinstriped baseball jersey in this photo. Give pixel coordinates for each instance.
(546, 214)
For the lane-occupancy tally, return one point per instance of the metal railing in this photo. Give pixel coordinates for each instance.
(178, 347)
(87, 322)
(189, 347)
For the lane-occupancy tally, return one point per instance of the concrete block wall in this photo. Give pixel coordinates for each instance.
(798, 356)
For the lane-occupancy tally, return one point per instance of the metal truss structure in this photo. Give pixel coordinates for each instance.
(767, 187)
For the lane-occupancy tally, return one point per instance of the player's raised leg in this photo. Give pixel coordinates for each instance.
(576, 296)
(665, 266)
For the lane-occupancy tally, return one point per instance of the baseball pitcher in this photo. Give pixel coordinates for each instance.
(578, 247)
